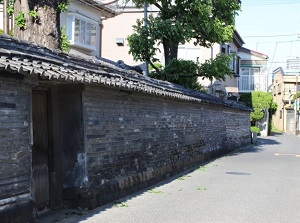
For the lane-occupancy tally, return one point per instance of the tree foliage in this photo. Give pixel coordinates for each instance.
(203, 22)
(259, 101)
(187, 77)
(297, 95)
(186, 72)
(217, 68)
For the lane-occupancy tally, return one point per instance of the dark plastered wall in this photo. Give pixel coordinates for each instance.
(133, 140)
(16, 203)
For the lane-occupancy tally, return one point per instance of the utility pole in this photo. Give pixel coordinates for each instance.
(145, 24)
(296, 102)
(211, 57)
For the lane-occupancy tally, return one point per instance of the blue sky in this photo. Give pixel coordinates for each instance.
(271, 27)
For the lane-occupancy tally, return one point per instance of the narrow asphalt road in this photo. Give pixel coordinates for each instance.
(259, 184)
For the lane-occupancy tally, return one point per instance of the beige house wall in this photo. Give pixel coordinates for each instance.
(283, 89)
(121, 27)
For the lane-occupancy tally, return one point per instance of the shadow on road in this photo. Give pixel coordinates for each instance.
(276, 134)
(258, 147)
(266, 141)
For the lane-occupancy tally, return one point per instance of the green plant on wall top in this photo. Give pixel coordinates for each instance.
(63, 6)
(33, 14)
(20, 20)
(64, 41)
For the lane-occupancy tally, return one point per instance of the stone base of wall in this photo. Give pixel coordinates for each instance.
(113, 189)
(18, 213)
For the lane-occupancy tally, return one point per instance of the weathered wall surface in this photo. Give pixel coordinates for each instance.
(15, 153)
(133, 140)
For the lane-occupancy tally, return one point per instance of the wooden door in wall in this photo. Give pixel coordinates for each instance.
(40, 149)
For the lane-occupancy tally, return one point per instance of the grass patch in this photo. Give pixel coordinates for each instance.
(155, 191)
(202, 168)
(121, 205)
(274, 130)
(201, 188)
(181, 178)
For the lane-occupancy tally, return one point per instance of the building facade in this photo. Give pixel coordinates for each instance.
(284, 87)
(83, 25)
(253, 71)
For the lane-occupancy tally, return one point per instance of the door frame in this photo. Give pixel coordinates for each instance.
(40, 149)
(54, 144)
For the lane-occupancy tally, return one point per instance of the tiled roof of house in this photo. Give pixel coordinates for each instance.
(254, 53)
(18, 56)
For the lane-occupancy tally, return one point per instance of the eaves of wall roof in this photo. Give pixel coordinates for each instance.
(17, 56)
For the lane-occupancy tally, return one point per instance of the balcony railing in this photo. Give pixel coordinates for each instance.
(247, 83)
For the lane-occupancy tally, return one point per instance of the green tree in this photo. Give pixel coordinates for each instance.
(186, 72)
(259, 101)
(203, 22)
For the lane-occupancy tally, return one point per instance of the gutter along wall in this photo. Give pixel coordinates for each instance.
(106, 132)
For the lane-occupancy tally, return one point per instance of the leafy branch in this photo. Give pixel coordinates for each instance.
(63, 6)
(10, 7)
(20, 20)
(33, 13)
(64, 41)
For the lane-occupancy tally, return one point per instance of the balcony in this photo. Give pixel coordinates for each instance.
(248, 83)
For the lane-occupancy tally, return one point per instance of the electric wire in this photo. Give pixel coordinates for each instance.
(269, 3)
(271, 36)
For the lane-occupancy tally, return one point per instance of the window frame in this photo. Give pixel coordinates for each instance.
(250, 76)
(71, 18)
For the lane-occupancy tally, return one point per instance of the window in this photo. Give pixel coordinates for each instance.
(249, 79)
(280, 114)
(234, 59)
(279, 88)
(223, 49)
(189, 53)
(82, 32)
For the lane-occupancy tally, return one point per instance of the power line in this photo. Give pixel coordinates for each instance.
(268, 3)
(273, 56)
(270, 36)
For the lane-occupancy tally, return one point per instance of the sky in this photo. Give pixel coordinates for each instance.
(271, 27)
